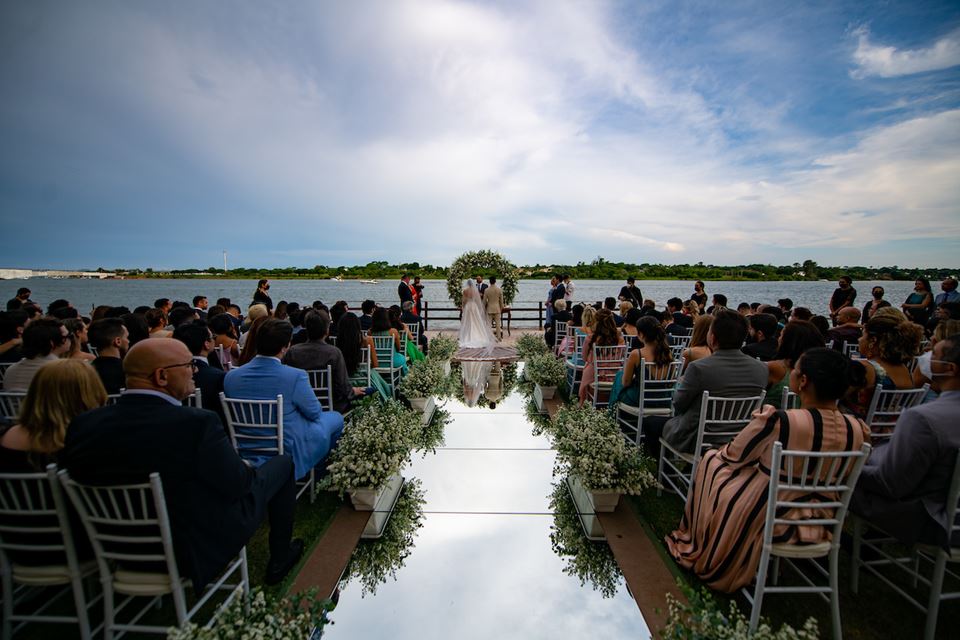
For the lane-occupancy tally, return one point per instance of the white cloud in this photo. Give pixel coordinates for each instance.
(890, 62)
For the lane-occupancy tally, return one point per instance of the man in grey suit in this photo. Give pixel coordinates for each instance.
(903, 486)
(728, 373)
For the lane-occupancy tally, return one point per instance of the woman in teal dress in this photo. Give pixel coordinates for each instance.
(654, 349)
(351, 341)
(380, 326)
(411, 350)
(796, 337)
(919, 305)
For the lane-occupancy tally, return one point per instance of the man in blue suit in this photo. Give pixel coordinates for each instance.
(308, 432)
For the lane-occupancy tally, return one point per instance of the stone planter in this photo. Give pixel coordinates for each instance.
(599, 501)
(547, 393)
(383, 508)
(367, 498)
(419, 404)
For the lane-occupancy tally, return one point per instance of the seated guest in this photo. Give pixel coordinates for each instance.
(560, 314)
(309, 432)
(44, 340)
(78, 340)
(412, 351)
(410, 318)
(720, 536)
(164, 304)
(802, 313)
(610, 304)
(822, 323)
(698, 347)
(380, 326)
(922, 374)
(786, 305)
(157, 323)
(796, 338)
(200, 305)
(198, 339)
(248, 342)
(847, 330)
(317, 354)
(605, 335)
(59, 392)
(111, 340)
(675, 311)
(136, 327)
(950, 293)
(296, 321)
(630, 333)
(690, 311)
(22, 298)
(624, 307)
(875, 304)
(215, 501)
(744, 309)
(339, 308)
(653, 349)
(351, 342)
(904, 485)
(763, 331)
(225, 335)
(727, 373)
(366, 308)
(215, 310)
(12, 324)
(719, 302)
(888, 342)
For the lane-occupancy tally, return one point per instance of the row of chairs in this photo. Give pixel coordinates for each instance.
(129, 529)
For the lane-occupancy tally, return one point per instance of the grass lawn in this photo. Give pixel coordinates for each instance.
(876, 613)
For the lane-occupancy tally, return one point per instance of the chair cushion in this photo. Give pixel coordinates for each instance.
(141, 583)
(788, 550)
(48, 574)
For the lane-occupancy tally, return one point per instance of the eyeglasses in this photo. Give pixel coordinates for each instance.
(192, 364)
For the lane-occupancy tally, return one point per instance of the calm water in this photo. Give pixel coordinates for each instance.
(84, 294)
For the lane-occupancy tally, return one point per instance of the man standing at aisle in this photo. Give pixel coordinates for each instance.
(493, 301)
(404, 290)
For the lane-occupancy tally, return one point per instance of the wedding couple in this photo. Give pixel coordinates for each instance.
(479, 313)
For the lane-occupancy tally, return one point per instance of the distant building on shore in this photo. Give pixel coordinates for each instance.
(19, 274)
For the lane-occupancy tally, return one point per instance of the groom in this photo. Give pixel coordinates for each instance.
(493, 302)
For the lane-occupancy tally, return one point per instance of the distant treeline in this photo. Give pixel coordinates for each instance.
(598, 269)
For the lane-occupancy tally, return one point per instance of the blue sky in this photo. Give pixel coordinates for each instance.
(158, 134)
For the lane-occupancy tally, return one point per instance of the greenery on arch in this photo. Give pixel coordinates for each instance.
(484, 263)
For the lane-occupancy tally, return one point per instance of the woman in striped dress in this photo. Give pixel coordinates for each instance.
(720, 535)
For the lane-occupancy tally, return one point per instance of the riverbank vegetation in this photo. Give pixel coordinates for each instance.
(598, 269)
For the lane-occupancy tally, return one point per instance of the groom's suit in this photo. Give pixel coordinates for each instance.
(493, 302)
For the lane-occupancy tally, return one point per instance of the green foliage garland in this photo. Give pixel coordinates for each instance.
(485, 262)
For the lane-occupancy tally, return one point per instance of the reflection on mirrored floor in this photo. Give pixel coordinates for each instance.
(470, 553)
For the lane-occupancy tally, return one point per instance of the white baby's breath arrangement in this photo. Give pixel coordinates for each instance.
(258, 617)
(442, 347)
(531, 344)
(545, 370)
(426, 378)
(590, 446)
(374, 446)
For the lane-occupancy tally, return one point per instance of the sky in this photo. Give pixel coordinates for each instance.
(158, 134)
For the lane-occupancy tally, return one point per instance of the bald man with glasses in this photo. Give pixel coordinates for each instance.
(215, 500)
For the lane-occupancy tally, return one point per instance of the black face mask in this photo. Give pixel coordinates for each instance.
(877, 294)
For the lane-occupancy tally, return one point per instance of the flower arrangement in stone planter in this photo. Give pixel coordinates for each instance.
(374, 447)
(587, 560)
(442, 348)
(259, 617)
(426, 378)
(545, 371)
(374, 560)
(531, 344)
(590, 447)
(702, 617)
(431, 435)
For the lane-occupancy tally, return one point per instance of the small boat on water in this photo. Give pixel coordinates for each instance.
(337, 278)
(369, 282)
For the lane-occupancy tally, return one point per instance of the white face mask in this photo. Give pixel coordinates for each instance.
(934, 374)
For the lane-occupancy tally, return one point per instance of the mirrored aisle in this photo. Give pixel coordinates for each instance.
(468, 552)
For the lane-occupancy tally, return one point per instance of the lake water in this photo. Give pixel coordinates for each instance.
(84, 294)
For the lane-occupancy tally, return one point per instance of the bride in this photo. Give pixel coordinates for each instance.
(475, 331)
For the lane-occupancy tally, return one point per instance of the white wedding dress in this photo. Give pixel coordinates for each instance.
(475, 330)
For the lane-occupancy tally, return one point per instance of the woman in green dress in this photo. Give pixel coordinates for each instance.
(411, 350)
(351, 341)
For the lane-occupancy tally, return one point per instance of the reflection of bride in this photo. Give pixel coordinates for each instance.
(475, 331)
(475, 373)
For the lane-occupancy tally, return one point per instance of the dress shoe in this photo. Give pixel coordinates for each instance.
(277, 570)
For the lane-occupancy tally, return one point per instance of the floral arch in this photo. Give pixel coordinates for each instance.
(482, 262)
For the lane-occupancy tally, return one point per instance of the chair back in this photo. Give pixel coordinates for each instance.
(657, 384)
(953, 509)
(789, 400)
(93, 351)
(681, 340)
(607, 361)
(887, 405)
(113, 398)
(676, 350)
(34, 520)
(3, 370)
(362, 374)
(10, 403)
(559, 332)
(579, 339)
(721, 419)
(255, 426)
(385, 348)
(128, 527)
(911, 363)
(194, 399)
(851, 349)
(331, 340)
(225, 357)
(830, 475)
(321, 380)
(414, 329)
